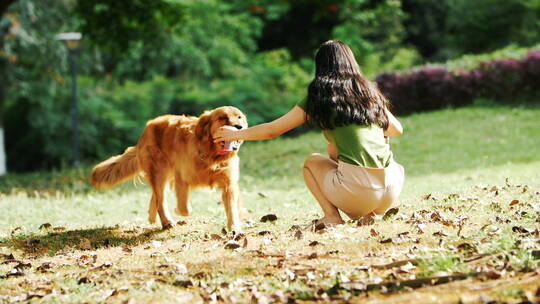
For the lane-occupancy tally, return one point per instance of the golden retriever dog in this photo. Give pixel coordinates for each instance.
(178, 151)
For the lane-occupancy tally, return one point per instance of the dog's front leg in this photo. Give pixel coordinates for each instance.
(181, 188)
(231, 202)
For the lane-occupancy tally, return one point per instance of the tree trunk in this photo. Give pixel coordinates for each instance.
(2, 153)
(3, 79)
(4, 4)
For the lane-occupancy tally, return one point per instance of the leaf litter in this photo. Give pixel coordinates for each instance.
(328, 257)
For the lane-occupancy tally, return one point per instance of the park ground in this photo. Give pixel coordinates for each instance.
(465, 230)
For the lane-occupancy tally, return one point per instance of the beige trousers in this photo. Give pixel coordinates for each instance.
(358, 190)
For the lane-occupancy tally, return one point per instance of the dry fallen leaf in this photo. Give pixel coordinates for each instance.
(467, 247)
(239, 236)
(514, 202)
(435, 216)
(45, 267)
(440, 234)
(117, 291)
(492, 275)
(320, 228)
(294, 227)
(84, 280)
(216, 237)
(373, 232)
(385, 241)
(45, 226)
(365, 221)
(402, 234)
(314, 243)
(268, 218)
(7, 256)
(103, 266)
(183, 283)
(232, 245)
(390, 213)
(520, 229)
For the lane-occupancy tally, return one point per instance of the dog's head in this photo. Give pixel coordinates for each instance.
(210, 121)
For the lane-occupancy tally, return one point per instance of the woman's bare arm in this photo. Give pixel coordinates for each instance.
(332, 151)
(295, 117)
(394, 126)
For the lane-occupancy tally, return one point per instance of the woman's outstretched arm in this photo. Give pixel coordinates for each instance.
(295, 117)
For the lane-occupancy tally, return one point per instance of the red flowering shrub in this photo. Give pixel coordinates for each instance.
(435, 87)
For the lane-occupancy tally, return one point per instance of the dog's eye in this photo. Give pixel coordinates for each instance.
(223, 118)
(239, 117)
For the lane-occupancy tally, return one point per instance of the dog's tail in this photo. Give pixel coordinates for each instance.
(116, 169)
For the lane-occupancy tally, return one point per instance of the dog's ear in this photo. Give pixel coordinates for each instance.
(202, 130)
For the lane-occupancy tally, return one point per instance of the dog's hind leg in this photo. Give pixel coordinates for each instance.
(158, 181)
(183, 207)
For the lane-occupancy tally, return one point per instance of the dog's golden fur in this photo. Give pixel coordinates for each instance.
(179, 151)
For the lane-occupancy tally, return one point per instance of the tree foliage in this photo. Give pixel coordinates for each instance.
(177, 38)
(33, 78)
(141, 58)
(484, 25)
(449, 28)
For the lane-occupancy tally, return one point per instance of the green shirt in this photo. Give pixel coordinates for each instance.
(362, 145)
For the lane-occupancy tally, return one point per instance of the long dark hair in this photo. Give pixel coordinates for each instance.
(340, 95)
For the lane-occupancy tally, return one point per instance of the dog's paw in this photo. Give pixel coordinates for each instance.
(152, 220)
(167, 225)
(183, 212)
(236, 228)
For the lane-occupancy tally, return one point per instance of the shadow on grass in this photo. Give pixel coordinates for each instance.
(82, 239)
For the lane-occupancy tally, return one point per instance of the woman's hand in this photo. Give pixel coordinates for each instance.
(295, 117)
(226, 133)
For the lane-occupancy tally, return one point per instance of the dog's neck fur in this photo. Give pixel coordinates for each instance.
(204, 157)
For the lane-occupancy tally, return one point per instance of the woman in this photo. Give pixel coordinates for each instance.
(360, 176)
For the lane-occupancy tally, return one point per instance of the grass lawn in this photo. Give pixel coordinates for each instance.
(466, 228)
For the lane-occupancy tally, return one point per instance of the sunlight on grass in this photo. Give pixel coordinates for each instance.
(470, 205)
